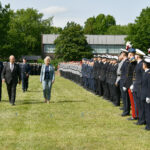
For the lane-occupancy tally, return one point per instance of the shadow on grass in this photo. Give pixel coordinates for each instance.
(28, 102)
(68, 101)
(32, 102)
(35, 91)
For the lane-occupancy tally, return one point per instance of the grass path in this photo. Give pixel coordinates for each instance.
(74, 120)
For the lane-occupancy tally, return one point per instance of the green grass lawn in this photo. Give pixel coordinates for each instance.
(74, 120)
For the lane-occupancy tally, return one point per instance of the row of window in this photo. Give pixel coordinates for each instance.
(113, 49)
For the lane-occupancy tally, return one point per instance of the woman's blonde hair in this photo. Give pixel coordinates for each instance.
(47, 58)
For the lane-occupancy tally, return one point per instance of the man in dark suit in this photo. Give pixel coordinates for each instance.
(11, 75)
(1, 69)
(25, 72)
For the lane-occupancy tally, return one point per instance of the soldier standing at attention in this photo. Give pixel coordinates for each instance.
(145, 94)
(137, 82)
(129, 81)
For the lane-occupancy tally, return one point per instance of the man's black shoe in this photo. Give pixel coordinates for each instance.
(13, 104)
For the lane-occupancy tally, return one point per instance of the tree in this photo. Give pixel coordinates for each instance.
(117, 30)
(72, 44)
(139, 32)
(89, 26)
(99, 25)
(4, 27)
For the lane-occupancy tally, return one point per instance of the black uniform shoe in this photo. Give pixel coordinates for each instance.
(138, 123)
(147, 128)
(132, 119)
(13, 104)
(123, 115)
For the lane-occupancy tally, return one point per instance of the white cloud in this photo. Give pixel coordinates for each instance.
(53, 10)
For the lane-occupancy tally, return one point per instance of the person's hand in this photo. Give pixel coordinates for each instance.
(27, 75)
(53, 82)
(131, 88)
(3, 80)
(116, 84)
(124, 89)
(147, 100)
(20, 82)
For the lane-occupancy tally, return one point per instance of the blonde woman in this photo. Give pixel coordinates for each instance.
(47, 78)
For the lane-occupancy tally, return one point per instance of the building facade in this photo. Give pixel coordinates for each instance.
(101, 44)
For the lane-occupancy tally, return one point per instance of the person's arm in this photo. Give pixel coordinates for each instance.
(19, 73)
(3, 74)
(41, 74)
(53, 78)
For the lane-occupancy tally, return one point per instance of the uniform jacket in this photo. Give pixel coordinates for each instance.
(145, 90)
(137, 79)
(25, 69)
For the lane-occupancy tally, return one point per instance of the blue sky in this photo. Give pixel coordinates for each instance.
(124, 11)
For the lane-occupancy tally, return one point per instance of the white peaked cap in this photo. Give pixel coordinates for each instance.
(147, 59)
(123, 50)
(116, 57)
(139, 52)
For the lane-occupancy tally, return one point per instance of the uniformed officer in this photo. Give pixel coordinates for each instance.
(125, 97)
(25, 72)
(129, 80)
(115, 89)
(99, 70)
(103, 76)
(137, 83)
(145, 94)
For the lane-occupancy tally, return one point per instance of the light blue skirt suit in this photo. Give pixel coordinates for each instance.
(47, 83)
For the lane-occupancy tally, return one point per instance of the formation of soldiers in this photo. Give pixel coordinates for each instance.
(35, 68)
(125, 77)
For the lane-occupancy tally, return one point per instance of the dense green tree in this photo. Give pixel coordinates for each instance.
(117, 30)
(139, 32)
(72, 44)
(20, 31)
(99, 25)
(89, 26)
(26, 27)
(4, 26)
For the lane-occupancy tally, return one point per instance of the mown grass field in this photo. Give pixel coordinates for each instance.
(74, 120)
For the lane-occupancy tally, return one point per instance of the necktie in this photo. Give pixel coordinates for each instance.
(11, 67)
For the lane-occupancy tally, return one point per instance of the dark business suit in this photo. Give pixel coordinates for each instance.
(11, 79)
(25, 71)
(1, 69)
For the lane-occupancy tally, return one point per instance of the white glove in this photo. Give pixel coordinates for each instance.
(124, 89)
(131, 88)
(147, 100)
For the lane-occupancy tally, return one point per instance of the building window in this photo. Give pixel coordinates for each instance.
(49, 48)
(103, 49)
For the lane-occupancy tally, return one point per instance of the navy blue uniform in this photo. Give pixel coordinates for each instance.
(144, 116)
(25, 72)
(125, 96)
(137, 83)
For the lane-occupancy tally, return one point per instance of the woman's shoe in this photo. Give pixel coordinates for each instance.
(47, 102)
